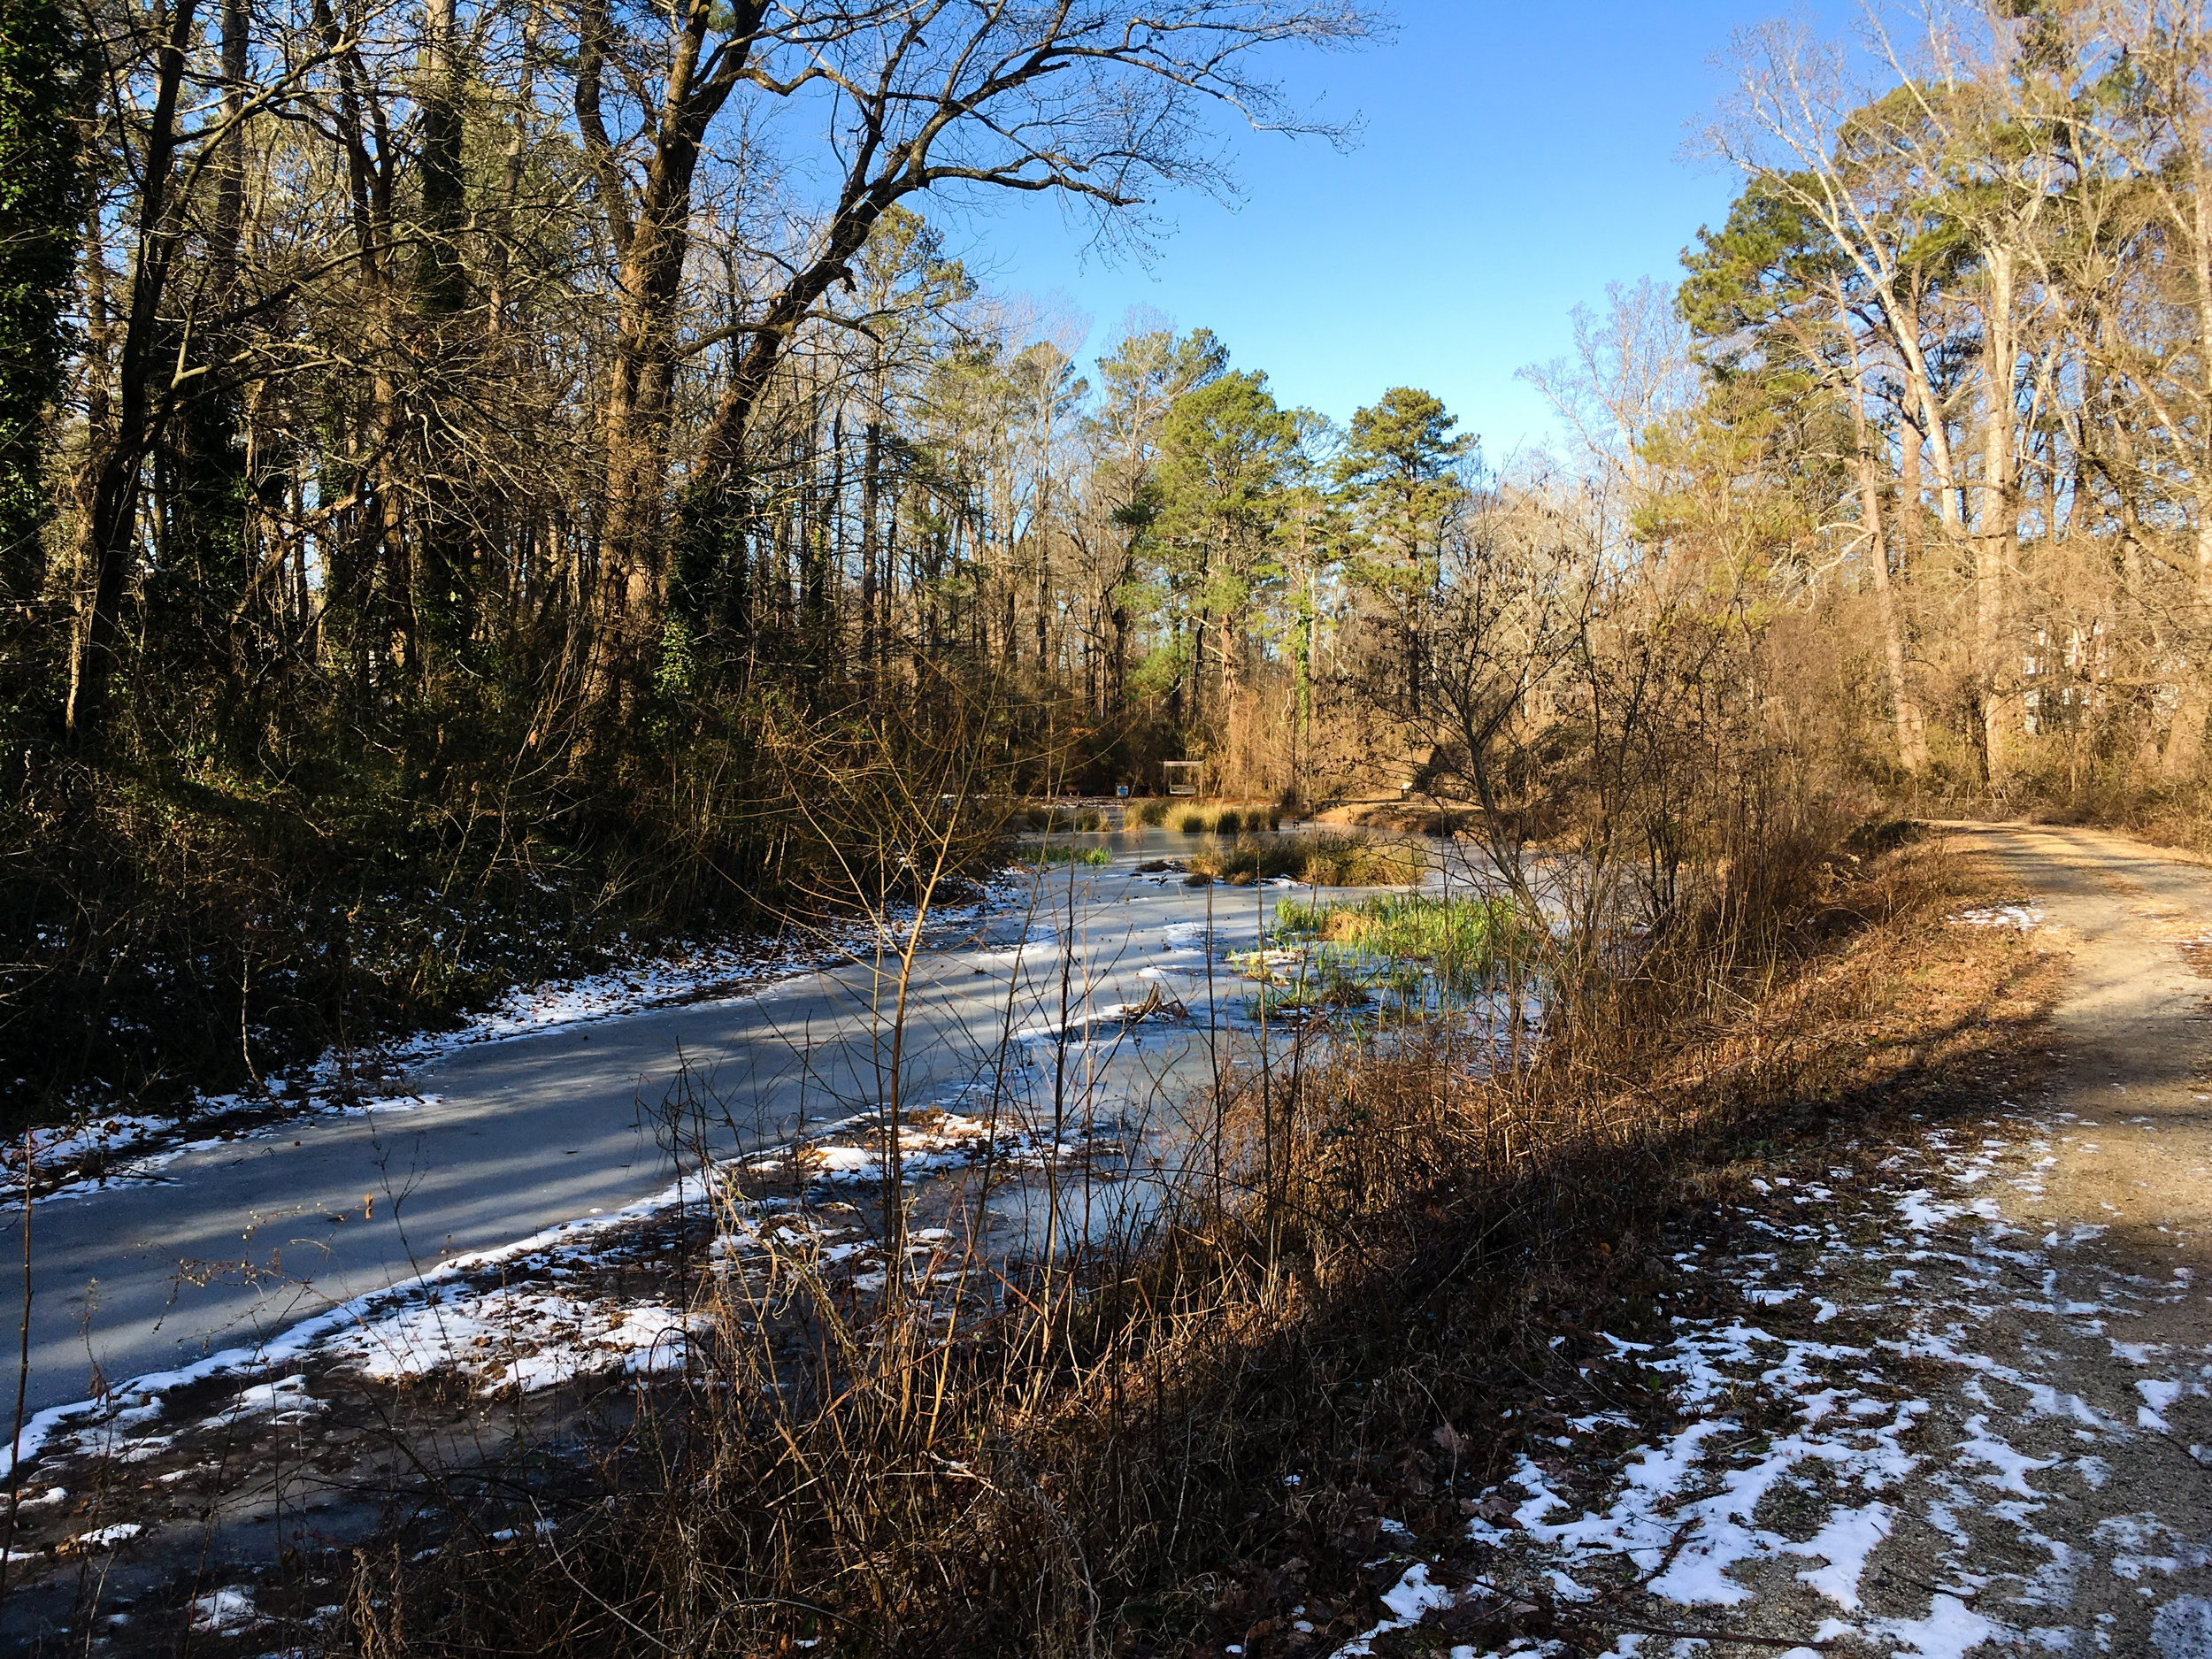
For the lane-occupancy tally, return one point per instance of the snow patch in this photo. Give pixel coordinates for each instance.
(2023, 916)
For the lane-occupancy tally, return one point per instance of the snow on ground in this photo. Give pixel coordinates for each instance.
(605, 1299)
(680, 975)
(933, 1141)
(537, 1313)
(2024, 916)
(103, 1537)
(103, 1150)
(514, 1336)
(227, 1612)
(519, 1318)
(120, 1149)
(119, 1423)
(1907, 1440)
(468, 1318)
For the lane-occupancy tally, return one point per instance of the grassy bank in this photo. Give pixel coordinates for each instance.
(1171, 1443)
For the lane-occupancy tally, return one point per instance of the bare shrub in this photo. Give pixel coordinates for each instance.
(989, 1455)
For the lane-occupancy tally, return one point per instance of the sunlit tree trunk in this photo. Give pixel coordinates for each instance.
(1912, 744)
(1997, 526)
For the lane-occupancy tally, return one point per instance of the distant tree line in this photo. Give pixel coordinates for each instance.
(386, 382)
(1956, 344)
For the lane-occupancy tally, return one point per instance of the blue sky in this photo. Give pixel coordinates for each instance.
(1514, 159)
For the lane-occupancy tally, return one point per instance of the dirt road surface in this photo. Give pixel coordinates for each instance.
(1934, 1387)
(2133, 1031)
(2114, 1186)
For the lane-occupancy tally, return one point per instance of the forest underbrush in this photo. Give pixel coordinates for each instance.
(174, 936)
(169, 943)
(1193, 1434)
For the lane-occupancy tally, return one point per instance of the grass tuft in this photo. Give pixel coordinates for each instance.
(1463, 938)
(1223, 820)
(1059, 853)
(1061, 821)
(1318, 858)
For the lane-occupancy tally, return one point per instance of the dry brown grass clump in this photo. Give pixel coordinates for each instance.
(1317, 857)
(1219, 818)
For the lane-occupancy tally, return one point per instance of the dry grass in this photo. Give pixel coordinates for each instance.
(1218, 818)
(1315, 858)
(1091, 1456)
(1419, 816)
(1057, 820)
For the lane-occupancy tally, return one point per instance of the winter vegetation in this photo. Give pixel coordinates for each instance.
(455, 456)
(515, 515)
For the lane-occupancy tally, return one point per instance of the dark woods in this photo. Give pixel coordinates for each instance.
(451, 454)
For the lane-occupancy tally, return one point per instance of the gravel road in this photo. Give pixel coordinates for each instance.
(1939, 1386)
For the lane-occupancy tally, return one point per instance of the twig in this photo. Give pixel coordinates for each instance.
(22, 1383)
(1711, 1635)
(2189, 1452)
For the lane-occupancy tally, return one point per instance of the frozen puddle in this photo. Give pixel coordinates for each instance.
(1915, 1428)
(108, 1149)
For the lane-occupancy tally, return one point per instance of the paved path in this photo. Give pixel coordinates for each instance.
(241, 1241)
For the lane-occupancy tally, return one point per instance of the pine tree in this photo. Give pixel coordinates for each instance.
(1398, 472)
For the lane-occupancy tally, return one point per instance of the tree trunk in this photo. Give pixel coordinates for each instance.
(2185, 738)
(230, 187)
(1997, 531)
(870, 477)
(115, 497)
(1912, 741)
(444, 593)
(651, 246)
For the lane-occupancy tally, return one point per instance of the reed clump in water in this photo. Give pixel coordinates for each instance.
(1224, 821)
(1316, 858)
(1060, 852)
(1464, 941)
